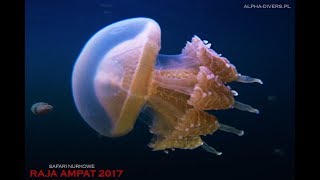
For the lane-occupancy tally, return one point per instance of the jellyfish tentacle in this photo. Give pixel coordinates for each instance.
(234, 93)
(248, 79)
(245, 107)
(230, 129)
(210, 149)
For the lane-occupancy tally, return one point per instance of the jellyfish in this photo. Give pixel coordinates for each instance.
(41, 108)
(120, 73)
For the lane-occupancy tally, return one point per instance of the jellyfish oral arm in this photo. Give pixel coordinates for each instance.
(245, 107)
(179, 80)
(230, 129)
(247, 79)
(210, 149)
(185, 85)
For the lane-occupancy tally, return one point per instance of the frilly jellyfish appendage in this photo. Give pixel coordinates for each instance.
(119, 73)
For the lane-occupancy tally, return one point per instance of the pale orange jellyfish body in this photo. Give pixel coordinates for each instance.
(119, 73)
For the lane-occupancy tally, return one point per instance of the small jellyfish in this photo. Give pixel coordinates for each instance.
(41, 108)
(120, 74)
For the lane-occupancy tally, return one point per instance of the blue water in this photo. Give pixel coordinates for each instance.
(259, 42)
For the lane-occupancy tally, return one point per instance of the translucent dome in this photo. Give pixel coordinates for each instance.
(111, 75)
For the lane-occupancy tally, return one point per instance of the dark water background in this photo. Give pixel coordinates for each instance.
(259, 42)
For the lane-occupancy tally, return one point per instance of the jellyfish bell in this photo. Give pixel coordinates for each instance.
(41, 108)
(120, 72)
(110, 78)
